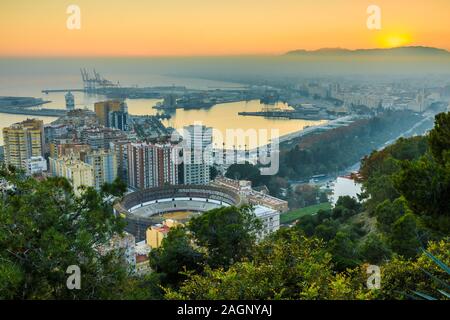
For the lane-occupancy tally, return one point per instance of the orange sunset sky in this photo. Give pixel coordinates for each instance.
(215, 27)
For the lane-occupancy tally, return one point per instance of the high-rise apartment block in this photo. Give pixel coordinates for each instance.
(118, 120)
(120, 149)
(22, 141)
(113, 110)
(104, 163)
(151, 165)
(197, 154)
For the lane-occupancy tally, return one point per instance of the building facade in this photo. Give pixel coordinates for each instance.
(75, 170)
(104, 164)
(35, 165)
(101, 138)
(197, 154)
(120, 150)
(151, 165)
(104, 108)
(118, 120)
(22, 141)
(270, 219)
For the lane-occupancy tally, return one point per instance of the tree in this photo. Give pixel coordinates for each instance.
(344, 251)
(45, 228)
(246, 171)
(439, 137)
(326, 230)
(388, 212)
(175, 255)
(425, 184)
(306, 194)
(374, 250)
(213, 172)
(349, 203)
(285, 266)
(404, 237)
(401, 277)
(116, 188)
(227, 233)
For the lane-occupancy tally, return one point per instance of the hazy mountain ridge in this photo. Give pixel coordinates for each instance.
(405, 50)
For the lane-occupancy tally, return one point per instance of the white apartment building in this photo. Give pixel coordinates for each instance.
(197, 154)
(35, 165)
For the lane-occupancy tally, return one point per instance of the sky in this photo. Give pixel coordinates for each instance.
(215, 27)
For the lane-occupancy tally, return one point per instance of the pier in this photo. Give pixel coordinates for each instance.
(47, 91)
(34, 112)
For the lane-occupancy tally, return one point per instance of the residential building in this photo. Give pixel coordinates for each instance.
(156, 233)
(101, 138)
(104, 163)
(104, 108)
(244, 188)
(142, 251)
(78, 118)
(120, 150)
(53, 132)
(35, 165)
(118, 120)
(22, 141)
(197, 154)
(67, 147)
(269, 218)
(151, 165)
(75, 170)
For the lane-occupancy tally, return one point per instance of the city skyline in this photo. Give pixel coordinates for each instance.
(200, 28)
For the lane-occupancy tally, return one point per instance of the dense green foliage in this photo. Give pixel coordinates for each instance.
(337, 149)
(291, 266)
(228, 234)
(217, 238)
(388, 229)
(176, 255)
(287, 266)
(246, 171)
(45, 228)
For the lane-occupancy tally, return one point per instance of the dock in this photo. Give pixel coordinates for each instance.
(34, 112)
(47, 91)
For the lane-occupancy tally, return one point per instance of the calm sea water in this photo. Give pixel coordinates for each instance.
(27, 77)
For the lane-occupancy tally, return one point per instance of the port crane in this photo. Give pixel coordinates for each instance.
(93, 82)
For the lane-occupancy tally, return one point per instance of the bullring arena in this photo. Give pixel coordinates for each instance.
(180, 202)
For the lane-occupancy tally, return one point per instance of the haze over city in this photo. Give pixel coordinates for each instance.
(247, 151)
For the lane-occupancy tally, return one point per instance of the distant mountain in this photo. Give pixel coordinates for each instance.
(398, 51)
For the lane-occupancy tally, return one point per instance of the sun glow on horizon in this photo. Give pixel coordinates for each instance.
(215, 28)
(394, 40)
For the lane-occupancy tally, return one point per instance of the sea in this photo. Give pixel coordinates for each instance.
(29, 76)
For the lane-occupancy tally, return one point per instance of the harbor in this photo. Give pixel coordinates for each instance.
(28, 106)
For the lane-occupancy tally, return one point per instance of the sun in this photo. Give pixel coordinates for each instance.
(393, 40)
